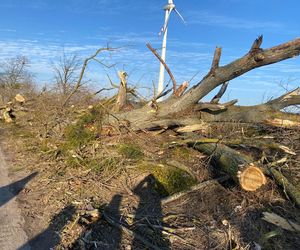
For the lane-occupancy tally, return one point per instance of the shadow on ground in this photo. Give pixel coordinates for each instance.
(50, 237)
(220, 218)
(148, 215)
(8, 192)
(111, 231)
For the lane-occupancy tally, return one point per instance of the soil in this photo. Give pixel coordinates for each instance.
(69, 208)
(12, 234)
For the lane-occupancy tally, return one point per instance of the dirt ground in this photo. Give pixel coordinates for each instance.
(12, 235)
(76, 208)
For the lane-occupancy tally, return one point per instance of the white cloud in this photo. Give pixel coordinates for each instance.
(142, 65)
(8, 30)
(208, 18)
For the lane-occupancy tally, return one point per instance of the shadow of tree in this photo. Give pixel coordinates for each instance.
(8, 192)
(50, 237)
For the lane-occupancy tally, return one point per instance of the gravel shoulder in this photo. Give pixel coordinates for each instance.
(12, 234)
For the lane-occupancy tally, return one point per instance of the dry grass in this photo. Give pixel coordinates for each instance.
(82, 166)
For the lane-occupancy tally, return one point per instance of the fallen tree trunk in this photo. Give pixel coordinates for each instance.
(240, 167)
(256, 57)
(143, 118)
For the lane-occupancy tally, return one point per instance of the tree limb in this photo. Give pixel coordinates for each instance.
(165, 65)
(235, 69)
(214, 106)
(221, 92)
(216, 59)
(288, 99)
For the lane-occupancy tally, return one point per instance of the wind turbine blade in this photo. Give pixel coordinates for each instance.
(177, 12)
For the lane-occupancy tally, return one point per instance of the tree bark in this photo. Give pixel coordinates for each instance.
(241, 168)
(255, 58)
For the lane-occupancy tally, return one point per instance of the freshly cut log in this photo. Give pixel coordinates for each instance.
(240, 167)
(251, 178)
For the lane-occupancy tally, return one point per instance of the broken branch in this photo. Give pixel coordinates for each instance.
(221, 92)
(216, 59)
(288, 99)
(165, 65)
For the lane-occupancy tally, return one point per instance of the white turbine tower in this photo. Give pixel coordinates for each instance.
(168, 9)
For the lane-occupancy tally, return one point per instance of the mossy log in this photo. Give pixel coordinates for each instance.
(240, 167)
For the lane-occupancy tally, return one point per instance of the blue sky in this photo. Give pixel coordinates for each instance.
(43, 29)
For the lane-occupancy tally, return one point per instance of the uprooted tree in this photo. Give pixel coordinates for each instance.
(175, 110)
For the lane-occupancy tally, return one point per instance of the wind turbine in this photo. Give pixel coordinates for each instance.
(168, 10)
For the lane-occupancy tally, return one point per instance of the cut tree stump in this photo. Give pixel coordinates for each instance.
(20, 99)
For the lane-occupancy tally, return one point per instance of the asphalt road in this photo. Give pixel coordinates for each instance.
(12, 235)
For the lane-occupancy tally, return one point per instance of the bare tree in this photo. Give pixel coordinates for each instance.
(66, 73)
(14, 72)
(14, 78)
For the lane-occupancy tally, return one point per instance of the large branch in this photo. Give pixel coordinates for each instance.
(268, 113)
(255, 58)
(239, 166)
(289, 99)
